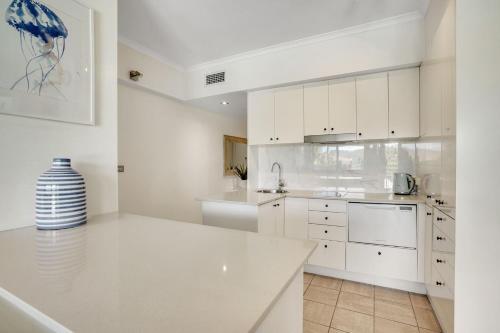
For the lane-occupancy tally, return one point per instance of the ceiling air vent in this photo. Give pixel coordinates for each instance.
(215, 78)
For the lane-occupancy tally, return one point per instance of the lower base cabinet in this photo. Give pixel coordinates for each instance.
(329, 254)
(397, 263)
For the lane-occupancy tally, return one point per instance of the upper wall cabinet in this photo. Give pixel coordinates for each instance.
(289, 115)
(437, 115)
(404, 103)
(261, 117)
(316, 106)
(276, 116)
(343, 106)
(372, 106)
(330, 107)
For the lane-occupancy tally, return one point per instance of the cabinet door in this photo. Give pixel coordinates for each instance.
(261, 117)
(267, 219)
(449, 99)
(431, 100)
(289, 115)
(296, 217)
(404, 118)
(279, 216)
(329, 254)
(372, 106)
(316, 108)
(342, 106)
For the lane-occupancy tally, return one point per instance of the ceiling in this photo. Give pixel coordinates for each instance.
(190, 32)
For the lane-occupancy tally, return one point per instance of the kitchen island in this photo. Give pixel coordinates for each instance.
(129, 273)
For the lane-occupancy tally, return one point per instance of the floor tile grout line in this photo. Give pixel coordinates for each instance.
(336, 303)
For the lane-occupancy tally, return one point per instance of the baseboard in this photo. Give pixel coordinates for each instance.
(414, 287)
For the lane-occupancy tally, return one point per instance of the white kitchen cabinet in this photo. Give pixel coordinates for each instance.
(296, 217)
(404, 103)
(271, 218)
(276, 116)
(372, 106)
(391, 262)
(329, 254)
(342, 106)
(316, 106)
(261, 117)
(289, 115)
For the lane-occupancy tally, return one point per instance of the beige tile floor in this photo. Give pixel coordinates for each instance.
(339, 306)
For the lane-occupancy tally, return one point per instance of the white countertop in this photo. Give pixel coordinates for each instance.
(129, 273)
(251, 197)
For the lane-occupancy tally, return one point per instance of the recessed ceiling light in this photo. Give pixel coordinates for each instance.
(224, 103)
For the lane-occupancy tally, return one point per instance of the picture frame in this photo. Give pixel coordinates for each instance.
(47, 63)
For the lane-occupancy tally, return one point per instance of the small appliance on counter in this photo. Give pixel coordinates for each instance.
(403, 183)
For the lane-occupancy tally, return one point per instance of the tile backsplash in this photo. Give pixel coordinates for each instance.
(353, 167)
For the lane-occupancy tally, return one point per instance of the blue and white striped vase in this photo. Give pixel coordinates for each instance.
(60, 197)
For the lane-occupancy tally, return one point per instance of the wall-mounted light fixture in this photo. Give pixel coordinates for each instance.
(135, 75)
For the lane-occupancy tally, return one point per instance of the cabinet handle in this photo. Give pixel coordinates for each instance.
(392, 132)
(326, 217)
(277, 205)
(277, 139)
(271, 139)
(440, 219)
(324, 129)
(439, 283)
(274, 205)
(440, 261)
(326, 205)
(326, 246)
(326, 231)
(359, 134)
(429, 214)
(379, 253)
(429, 196)
(332, 128)
(440, 238)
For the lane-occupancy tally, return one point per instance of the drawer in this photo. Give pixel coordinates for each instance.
(329, 254)
(328, 218)
(445, 223)
(440, 287)
(383, 261)
(327, 232)
(338, 206)
(443, 264)
(441, 242)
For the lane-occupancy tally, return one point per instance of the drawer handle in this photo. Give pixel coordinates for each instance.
(274, 205)
(440, 261)
(326, 246)
(326, 217)
(277, 205)
(326, 231)
(429, 214)
(379, 253)
(440, 219)
(440, 238)
(439, 283)
(326, 205)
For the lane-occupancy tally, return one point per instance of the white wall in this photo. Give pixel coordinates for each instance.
(159, 76)
(374, 46)
(172, 152)
(477, 287)
(27, 146)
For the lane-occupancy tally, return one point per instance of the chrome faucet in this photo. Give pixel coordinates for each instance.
(280, 181)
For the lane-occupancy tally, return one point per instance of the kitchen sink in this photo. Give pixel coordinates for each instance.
(274, 191)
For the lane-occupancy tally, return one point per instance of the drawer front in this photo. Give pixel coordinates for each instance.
(382, 261)
(327, 232)
(329, 254)
(440, 287)
(441, 242)
(443, 264)
(338, 206)
(445, 223)
(328, 218)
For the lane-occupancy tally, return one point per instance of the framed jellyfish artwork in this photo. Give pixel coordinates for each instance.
(47, 60)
